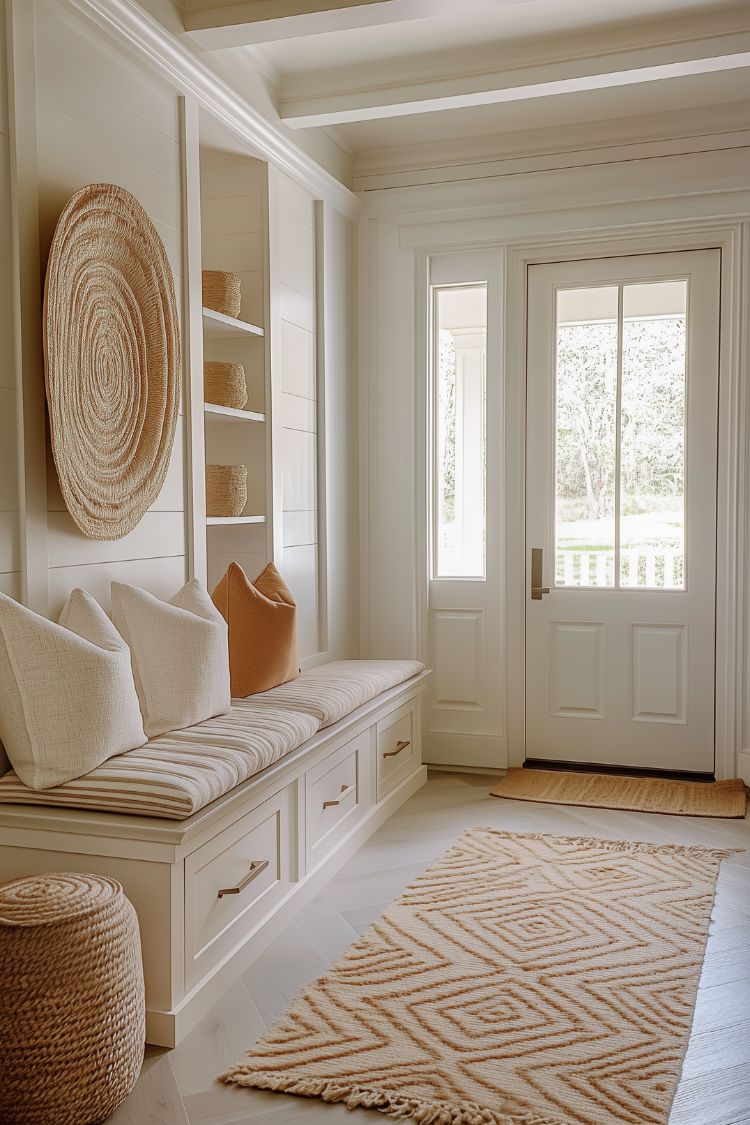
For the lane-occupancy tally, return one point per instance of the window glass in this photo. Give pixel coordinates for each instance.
(652, 457)
(586, 439)
(620, 436)
(459, 396)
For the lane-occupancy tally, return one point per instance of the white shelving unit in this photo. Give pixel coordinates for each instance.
(231, 414)
(228, 521)
(234, 236)
(218, 326)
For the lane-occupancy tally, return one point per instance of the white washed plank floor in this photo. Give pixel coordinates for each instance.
(179, 1088)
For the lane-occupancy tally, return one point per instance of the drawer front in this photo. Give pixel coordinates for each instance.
(234, 881)
(334, 797)
(397, 750)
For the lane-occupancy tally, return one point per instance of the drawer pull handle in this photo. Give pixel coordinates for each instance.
(399, 747)
(345, 791)
(256, 867)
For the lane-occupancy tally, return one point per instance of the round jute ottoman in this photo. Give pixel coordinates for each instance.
(72, 1013)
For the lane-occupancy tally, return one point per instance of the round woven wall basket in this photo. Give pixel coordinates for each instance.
(226, 490)
(222, 292)
(72, 1012)
(112, 359)
(224, 384)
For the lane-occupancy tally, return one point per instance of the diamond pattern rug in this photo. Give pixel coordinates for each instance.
(521, 980)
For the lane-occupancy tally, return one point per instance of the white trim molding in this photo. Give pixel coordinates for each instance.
(140, 33)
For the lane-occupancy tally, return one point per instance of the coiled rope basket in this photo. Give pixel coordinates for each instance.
(72, 1013)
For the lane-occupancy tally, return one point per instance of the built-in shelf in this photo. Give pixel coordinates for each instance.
(232, 414)
(217, 326)
(223, 521)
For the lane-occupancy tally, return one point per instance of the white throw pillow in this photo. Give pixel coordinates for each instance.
(67, 697)
(180, 655)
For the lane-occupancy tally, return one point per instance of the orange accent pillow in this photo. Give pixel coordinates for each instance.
(262, 620)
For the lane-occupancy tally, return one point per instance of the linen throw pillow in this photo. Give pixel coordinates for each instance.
(262, 621)
(67, 697)
(179, 653)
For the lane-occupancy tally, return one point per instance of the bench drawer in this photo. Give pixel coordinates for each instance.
(334, 797)
(397, 751)
(233, 881)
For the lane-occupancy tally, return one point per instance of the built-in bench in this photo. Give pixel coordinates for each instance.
(220, 832)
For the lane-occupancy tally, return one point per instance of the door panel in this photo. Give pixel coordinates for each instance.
(621, 499)
(466, 717)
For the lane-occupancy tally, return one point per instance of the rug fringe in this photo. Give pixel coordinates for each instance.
(696, 851)
(391, 1104)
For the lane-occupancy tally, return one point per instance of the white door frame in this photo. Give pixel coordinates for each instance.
(734, 445)
(732, 456)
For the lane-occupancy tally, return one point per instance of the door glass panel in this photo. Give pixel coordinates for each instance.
(586, 442)
(652, 455)
(459, 396)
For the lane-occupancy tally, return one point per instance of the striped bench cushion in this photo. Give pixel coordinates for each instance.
(331, 691)
(178, 773)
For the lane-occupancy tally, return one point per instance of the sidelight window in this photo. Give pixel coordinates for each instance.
(459, 430)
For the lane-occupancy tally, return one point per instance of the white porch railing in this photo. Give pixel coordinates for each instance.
(654, 568)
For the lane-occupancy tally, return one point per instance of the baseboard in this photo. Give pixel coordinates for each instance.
(480, 771)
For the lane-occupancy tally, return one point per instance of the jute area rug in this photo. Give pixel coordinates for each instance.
(521, 980)
(636, 794)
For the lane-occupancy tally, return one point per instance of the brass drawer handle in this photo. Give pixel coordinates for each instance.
(345, 791)
(256, 867)
(399, 747)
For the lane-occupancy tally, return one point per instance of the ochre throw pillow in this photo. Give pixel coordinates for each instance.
(262, 621)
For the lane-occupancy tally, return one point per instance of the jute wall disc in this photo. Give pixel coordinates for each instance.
(112, 359)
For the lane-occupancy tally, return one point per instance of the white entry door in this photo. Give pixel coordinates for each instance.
(622, 399)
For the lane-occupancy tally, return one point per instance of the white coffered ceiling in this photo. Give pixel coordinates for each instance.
(385, 75)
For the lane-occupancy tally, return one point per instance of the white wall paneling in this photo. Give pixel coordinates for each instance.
(103, 117)
(30, 532)
(296, 310)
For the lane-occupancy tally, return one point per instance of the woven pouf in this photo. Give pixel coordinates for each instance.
(72, 1013)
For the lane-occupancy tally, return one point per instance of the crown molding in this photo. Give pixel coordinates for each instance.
(140, 33)
(610, 140)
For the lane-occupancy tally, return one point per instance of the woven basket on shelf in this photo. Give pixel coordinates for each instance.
(224, 384)
(226, 490)
(72, 1013)
(222, 292)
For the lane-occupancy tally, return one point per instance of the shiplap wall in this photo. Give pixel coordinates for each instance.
(295, 284)
(233, 200)
(9, 483)
(103, 118)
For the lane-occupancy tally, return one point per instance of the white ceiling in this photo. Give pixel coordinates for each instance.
(395, 74)
(467, 27)
(544, 113)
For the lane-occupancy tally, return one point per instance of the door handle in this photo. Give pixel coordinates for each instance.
(256, 867)
(345, 791)
(401, 745)
(537, 566)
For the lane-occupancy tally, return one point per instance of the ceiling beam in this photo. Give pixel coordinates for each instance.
(215, 24)
(569, 76)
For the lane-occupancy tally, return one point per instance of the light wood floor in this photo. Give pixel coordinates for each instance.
(179, 1088)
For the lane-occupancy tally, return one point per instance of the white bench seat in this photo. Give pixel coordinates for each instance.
(332, 691)
(231, 824)
(177, 774)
